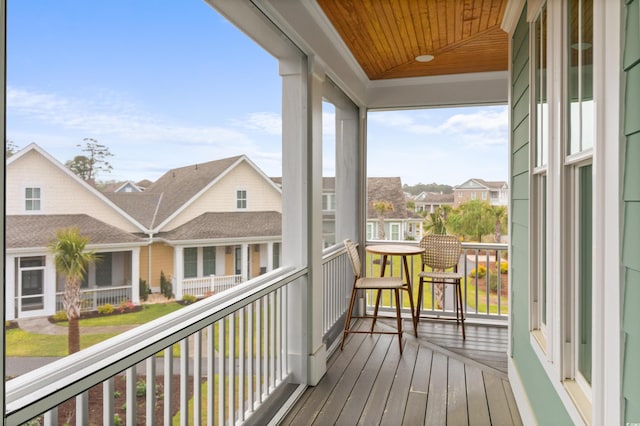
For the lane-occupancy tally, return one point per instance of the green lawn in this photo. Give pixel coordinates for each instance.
(21, 343)
(148, 313)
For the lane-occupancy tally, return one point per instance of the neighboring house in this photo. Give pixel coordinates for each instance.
(217, 218)
(428, 202)
(399, 223)
(206, 227)
(495, 193)
(42, 196)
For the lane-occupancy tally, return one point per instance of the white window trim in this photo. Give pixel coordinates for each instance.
(606, 389)
(24, 199)
(246, 199)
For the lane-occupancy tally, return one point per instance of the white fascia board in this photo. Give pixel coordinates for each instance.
(43, 251)
(221, 241)
(490, 88)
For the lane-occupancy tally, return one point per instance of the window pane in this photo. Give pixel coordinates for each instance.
(580, 72)
(103, 270)
(276, 255)
(209, 261)
(584, 273)
(541, 88)
(190, 262)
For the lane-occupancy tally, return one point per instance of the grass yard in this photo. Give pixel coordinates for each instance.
(21, 343)
(148, 313)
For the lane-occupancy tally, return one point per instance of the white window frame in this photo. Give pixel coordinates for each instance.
(539, 131)
(242, 203)
(32, 199)
(396, 228)
(370, 230)
(329, 202)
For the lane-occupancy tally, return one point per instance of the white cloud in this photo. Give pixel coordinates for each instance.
(108, 116)
(478, 127)
(264, 122)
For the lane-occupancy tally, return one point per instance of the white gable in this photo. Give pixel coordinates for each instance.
(61, 192)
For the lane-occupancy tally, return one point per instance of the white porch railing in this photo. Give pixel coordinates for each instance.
(91, 298)
(484, 288)
(234, 348)
(337, 277)
(213, 284)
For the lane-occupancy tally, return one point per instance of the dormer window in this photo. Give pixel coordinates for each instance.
(241, 199)
(32, 199)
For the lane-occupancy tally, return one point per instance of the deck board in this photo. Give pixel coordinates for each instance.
(439, 379)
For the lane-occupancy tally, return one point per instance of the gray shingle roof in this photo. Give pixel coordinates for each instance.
(228, 225)
(173, 190)
(25, 231)
(139, 205)
(387, 189)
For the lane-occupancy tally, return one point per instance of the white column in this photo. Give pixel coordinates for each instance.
(269, 256)
(244, 260)
(49, 285)
(178, 272)
(9, 288)
(315, 302)
(135, 275)
(295, 181)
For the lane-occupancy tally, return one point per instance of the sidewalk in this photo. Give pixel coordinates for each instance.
(41, 325)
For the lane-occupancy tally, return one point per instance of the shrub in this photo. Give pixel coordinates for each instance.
(165, 286)
(493, 282)
(504, 267)
(144, 289)
(60, 316)
(117, 421)
(188, 299)
(481, 271)
(126, 306)
(141, 388)
(106, 309)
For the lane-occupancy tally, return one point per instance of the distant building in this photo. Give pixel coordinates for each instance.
(429, 201)
(495, 193)
(399, 223)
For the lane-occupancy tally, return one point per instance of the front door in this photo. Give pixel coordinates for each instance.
(30, 291)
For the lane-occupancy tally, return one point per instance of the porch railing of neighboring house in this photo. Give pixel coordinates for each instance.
(91, 298)
(233, 347)
(212, 284)
(484, 288)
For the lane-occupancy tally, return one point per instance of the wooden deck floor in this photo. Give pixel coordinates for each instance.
(438, 380)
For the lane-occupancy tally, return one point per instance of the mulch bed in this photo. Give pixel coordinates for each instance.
(66, 411)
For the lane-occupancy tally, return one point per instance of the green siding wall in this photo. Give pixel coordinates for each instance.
(544, 401)
(631, 230)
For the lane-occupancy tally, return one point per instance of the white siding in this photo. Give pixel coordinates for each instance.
(60, 193)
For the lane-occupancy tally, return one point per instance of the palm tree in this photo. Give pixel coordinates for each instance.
(436, 222)
(500, 213)
(381, 207)
(71, 262)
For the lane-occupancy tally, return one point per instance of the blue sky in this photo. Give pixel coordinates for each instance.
(165, 86)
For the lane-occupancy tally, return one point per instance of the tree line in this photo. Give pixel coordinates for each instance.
(472, 221)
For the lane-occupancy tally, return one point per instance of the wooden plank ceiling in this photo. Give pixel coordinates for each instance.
(386, 36)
